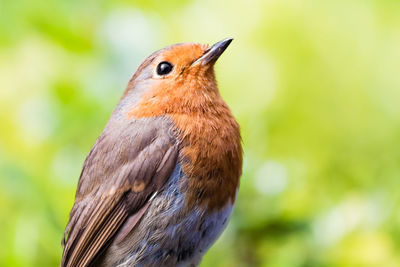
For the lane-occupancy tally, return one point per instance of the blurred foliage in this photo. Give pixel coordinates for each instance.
(315, 86)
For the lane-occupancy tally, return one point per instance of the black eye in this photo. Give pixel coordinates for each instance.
(164, 68)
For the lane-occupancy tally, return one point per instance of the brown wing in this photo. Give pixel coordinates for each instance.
(129, 163)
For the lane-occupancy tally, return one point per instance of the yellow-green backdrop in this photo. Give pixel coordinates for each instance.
(315, 86)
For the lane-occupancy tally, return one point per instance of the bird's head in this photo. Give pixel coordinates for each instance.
(177, 79)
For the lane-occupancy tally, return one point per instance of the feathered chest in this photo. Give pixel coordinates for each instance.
(211, 158)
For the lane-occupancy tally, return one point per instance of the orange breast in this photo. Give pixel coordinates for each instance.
(212, 157)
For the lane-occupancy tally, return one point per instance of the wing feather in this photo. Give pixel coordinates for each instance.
(141, 152)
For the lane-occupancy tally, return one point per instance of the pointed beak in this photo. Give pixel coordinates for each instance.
(213, 53)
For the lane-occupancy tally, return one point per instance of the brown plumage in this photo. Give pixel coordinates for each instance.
(168, 160)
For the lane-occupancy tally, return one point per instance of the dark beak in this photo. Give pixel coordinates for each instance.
(213, 53)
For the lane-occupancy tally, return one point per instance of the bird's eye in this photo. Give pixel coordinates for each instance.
(164, 68)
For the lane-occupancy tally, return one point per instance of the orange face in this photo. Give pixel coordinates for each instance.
(178, 79)
(182, 58)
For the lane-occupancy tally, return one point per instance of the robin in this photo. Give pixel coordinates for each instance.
(159, 185)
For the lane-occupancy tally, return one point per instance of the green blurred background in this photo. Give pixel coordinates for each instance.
(315, 86)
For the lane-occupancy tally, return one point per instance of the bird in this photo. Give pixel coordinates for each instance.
(159, 185)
